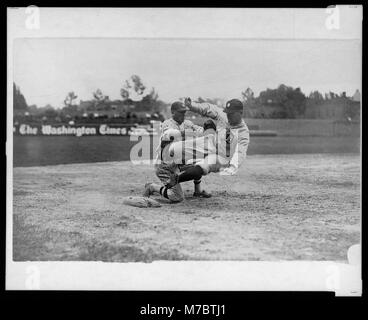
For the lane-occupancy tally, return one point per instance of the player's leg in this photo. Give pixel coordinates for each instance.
(174, 194)
(209, 164)
(182, 152)
(194, 173)
(198, 191)
(197, 186)
(163, 172)
(203, 167)
(152, 188)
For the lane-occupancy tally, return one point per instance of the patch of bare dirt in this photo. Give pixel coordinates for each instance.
(279, 207)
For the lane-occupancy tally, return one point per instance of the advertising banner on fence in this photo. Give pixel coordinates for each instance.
(81, 130)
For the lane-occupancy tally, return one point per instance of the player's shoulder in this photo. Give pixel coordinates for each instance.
(243, 127)
(168, 123)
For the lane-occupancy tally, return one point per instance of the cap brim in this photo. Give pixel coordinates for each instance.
(184, 110)
(228, 110)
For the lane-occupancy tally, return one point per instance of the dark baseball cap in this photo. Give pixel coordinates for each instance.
(178, 106)
(233, 105)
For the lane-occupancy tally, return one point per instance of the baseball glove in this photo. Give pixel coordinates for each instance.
(141, 202)
(209, 124)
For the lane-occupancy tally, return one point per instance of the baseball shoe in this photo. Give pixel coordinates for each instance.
(147, 190)
(202, 194)
(173, 180)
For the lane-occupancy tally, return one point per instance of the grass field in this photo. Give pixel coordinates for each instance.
(38, 151)
(279, 207)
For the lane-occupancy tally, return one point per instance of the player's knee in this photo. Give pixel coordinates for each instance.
(171, 195)
(175, 198)
(205, 168)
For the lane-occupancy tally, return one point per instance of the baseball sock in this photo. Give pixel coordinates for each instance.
(197, 186)
(163, 192)
(193, 173)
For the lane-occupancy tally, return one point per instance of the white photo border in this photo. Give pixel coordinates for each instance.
(184, 23)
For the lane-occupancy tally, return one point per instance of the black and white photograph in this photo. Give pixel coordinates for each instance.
(165, 146)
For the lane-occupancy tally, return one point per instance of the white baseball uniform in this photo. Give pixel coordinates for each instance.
(227, 148)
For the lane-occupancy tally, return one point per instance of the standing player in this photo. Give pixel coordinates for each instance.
(224, 151)
(164, 171)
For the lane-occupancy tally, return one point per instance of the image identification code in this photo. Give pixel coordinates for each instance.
(192, 309)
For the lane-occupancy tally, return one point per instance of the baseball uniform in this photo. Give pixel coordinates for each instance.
(164, 168)
(225, 149)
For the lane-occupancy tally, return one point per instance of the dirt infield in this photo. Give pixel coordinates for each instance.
(279, 207)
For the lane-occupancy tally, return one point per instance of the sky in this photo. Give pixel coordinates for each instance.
(47, 69)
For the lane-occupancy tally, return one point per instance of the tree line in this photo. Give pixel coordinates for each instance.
(135, 98)
(281, 102)
(288, 102)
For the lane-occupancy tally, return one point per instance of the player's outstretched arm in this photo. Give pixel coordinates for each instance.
(205, 109)
(196, 130)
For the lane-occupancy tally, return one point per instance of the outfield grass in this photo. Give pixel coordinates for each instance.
(38, 151)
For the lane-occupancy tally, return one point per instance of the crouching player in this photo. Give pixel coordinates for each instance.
(174, 129)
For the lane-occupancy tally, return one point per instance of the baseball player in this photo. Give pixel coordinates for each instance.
(223, 152)
(174, 129)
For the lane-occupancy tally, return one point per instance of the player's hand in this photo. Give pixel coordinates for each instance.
(188, 102)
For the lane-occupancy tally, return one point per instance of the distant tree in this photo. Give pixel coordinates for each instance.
(248, 95)
(291, 101)
(99, 96)
(295, 105)
(333, 95)
(314, 102)
(71, 96)
(49, 112)
(133, 89)
(249, 102)
(135, 93)
(19, 102)
(351, 109)
(70, 110)
(139, 87)
(99, 99)
(124, 92)
(152, 95)
(32, 109)
(150, 102)
(316, 96)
